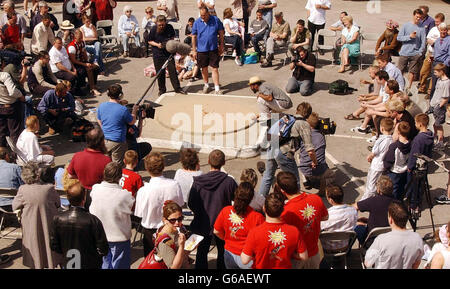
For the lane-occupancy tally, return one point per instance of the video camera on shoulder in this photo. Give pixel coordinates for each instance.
(146, 110)
(327, 126)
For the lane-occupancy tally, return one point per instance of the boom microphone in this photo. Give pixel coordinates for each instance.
(173, 47)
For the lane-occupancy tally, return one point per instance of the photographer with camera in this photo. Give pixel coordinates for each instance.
(304, 66)
(113, 118)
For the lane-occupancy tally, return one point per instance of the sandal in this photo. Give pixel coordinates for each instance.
(352, 117)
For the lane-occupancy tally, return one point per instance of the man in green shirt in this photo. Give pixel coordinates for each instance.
(279, 35)
(300, 37)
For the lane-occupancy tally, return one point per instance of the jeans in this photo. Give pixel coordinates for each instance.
(28, 107)
(233, 261)
(255, 39)
(270, 45)
(286, 164)
(361, 233)
(201, 260)
(96, 51)
(302, 86)
(268, 16)
(399, 182)
(125, 41)
(118, 256)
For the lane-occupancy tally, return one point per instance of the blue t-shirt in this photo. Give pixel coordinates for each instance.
(114, 118)
(207, 33)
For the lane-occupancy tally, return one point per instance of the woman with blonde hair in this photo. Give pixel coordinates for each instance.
(93, 46)
(350, 42)
(233, 34)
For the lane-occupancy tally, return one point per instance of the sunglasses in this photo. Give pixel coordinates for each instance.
(148, 11)
(173, 221)
(128, 11)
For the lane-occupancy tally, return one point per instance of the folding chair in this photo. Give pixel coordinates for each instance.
(369, 240)
(284, 49)
(21, 159)
(177, 27)
(349, 237)
(323, 47)
(373, 37)
(110, 45)
(6, 199)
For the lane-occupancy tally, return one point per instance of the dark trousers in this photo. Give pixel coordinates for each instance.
(39, 90)
(82, 75)
(236, 41)
(148, 240)
(11, 122)
(57, 122)
(313, 28)
(201, 260)
(64, 75)
(159, 62)
(255, 39)
(399, 182)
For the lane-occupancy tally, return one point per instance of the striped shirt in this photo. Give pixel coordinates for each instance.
(340, 218)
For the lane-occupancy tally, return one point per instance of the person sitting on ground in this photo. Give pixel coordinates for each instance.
(233, 34)
(77, 229)
(190, 168)
(234, 223)
(188, 31)
(61, 66)
(131, 181)
(79, 58)
(57, 106)
(40, 76)
(438, 103)
(300, 37)
(151, 197)
(441, 259)
(43, 10)
(258, 30)
(112, 205)
(279, 36)
(43, 36)
(189, 69)
(284, 245)
(398, 249)
(10, 33)
(209, 194)
(341, 218)
(321, 174)
(9, 171)
(349, 41)
(128, 27)
(29, 146)
(304, 71)
(391, 46)
(377, 206)
(93, 46)
(385, 64)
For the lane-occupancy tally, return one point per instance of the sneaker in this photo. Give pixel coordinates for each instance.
(218, 92)
(234, 53)
(442, 199)
(369, 148)
(4, 259)
(205, 89)
(360, 130)
(372, 139)
(238, 62)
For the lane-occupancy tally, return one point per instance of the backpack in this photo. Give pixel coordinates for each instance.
(152, 261)
(79, 129)
(282, 128)
(250, 58)
(340, 87)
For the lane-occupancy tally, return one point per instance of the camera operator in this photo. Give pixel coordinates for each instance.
(304, 66)
(113, 118)
(157, 38)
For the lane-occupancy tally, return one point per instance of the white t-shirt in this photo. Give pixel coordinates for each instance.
(185, 180)
(433, 34)
(170, 4)
(57, 56)
(29, 146)
(87, 31)
(233, 24)
(317, 16)
(209, 2)
(349, 34)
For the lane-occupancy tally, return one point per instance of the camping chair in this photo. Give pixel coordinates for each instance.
(338, 253)
(21, 159)
(369, 240)
(110, 45)
(373, 37)
(6, 199)
(323, 47)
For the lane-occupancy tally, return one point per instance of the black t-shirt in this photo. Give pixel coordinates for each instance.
(412, 124)
(377, 206)
(166, 35)
(300, 73)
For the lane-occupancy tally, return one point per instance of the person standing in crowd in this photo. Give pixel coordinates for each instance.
(398, 249)
(113, 117)
(439, 103)
(190, 168)
(168, 8)
(151, 197)
(9, 7)
(39, 203)
(78, 229)
(131, 181)
(305, 211)
(112, 205)
(9, 171)
(43, 37)
(242, 10)
(441, 54)
(103, 11)
(316, 10)
(43, 10)
(234, 223)
(279, 36)
(210, 4)
(266, 7)
(274, 244)
(157, 38)
(207, 47)
(11, 109)
(210, 193)
(413, 40)
(303, 68)
(427, 22)
(10, 33)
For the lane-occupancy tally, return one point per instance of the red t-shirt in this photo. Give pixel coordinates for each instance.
(103, 9)
(273, 244)
(131, 181)
(306, 212)
(236, 228)
(11, 34)
(88, 167)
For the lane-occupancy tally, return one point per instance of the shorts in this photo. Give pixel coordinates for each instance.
(414, 63)
(439, 115)
(210, 58)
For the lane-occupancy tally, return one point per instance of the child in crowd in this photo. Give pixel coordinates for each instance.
(438, 104)
(396, 160)
(29, 146)
(189, 69)
(188, 31)
(272, 244)
(375, 158)
(250, 176)
(131, 181)
(191, 168)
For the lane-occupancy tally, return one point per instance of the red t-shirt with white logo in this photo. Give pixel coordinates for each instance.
(306, 212)
(131, 181)
(235, 228)
(273, 245)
